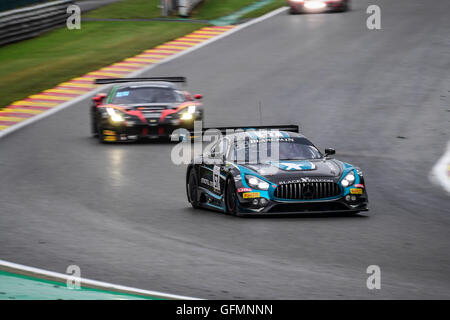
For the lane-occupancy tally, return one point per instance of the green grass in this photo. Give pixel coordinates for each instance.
(146, 9)
(213, 9)
(34, 65)
(127, 9)
(261, 11)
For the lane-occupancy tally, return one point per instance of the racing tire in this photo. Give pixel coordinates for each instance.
(94, 127)
(231, 199)
(192, 190)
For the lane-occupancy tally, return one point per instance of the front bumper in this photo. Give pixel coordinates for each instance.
(139, 131)
(339, 205)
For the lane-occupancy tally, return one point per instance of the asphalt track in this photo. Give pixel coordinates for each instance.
(381, 98)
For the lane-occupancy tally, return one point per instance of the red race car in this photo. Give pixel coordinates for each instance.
(137, 108)
(310, 6)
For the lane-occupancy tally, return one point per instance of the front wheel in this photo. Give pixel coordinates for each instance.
(192, 189)
(231, 200)
(94, 125)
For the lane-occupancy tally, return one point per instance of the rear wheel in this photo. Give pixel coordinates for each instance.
(192, 189)
(231, 199)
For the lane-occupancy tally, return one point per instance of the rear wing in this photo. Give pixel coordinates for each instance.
(288, 127)
(123, 80)
(195, 135)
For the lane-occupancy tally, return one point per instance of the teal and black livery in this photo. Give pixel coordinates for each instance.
(238, 175)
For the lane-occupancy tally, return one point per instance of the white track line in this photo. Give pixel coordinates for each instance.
(440, 174)
(64, 105)
(60, 277)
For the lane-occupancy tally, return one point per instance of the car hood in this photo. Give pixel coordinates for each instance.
(152, 106)
(287, 170)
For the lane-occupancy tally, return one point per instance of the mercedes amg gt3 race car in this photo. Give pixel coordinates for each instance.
(138, 108)
(234, 176)
(308, 6)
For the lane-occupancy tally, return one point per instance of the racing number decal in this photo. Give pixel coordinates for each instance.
(216, 178)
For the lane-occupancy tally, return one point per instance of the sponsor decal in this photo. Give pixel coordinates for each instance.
(216, 178)
(244, 190)
(356, 191)
(306, 180)
(123, 94)
(359, 186)
(110, 138)
(206, 182)
(265, 140)
(249, 195)
(109, 133)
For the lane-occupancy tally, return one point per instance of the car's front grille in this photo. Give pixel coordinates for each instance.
(151, 108)
(151, 115)
(307, 190)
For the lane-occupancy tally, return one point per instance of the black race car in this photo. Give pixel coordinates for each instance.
(238, 175)
(138, 108)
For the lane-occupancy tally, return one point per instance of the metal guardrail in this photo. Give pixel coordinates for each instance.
(15, 4)
(16, 25)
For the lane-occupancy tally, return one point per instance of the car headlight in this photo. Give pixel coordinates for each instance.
(348, 180)
(114, 115)
(186, 116)
(189, 113)
(256, 183)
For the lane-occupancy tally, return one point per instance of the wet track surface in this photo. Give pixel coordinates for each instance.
(381, 98)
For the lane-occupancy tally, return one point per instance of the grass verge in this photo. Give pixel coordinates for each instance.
(261, 11)
(30, 66)
(146, 9)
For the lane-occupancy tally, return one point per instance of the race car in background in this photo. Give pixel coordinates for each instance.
(137, 108)
(309, 6)
(300, 180)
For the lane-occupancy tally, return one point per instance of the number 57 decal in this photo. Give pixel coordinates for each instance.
(216, 178)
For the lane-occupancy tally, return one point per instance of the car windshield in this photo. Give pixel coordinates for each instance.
(138, 95)
(261, 150)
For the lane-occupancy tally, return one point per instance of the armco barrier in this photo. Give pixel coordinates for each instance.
(29, 22)
(15, 4)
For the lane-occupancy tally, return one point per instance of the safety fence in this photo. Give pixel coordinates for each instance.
(31, 21)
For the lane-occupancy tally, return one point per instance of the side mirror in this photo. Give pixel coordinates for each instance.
(99, 98)
(198, 96)
(329, 151)
(218, 155)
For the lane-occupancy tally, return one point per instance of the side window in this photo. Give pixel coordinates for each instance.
(219, 149)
